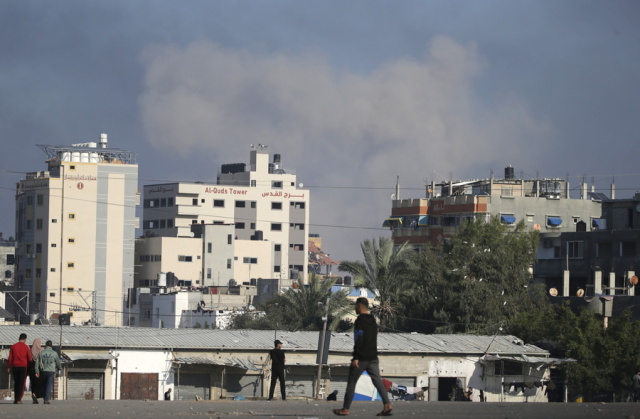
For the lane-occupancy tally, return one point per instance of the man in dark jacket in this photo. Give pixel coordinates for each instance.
(277, 369)
(365, 358)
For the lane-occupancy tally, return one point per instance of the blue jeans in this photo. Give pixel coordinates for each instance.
(47, 383)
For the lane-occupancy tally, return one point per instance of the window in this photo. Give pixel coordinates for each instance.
(529, 218)
(229, 238)
(298, 205)
(54, 220)
(163, 223)
(252, 226)
(163, 202)
(28, 225)
(27, 273)
(72, 216)
(228, 263)
(72, 167)
(183, 258)
(575, 249)
(39, 224)
(38, 247)
(276, 268)
(194, 221)
(28, 248)
(250, 260)
(508, 368)
(276, 205)
(603, 250)
(253, 204)
(38, 273)
(276, 184)
(297, 226)
(72, 240)
(556, 252)
(628, 249)
(147, 313)
(39, 199)
(52, 270)
(169, 202)
(52, 294)
(53, 245)
(30, 200)
(194, 202)
(209, 247)
(240, 204)
(202, 201)
(239, 226)
(276, 227)
(208, 273)
(277, 247)
(71, 265)
(253, 183)
(170, 223)
(218, 203)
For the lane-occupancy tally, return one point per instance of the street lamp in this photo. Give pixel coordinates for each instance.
(321, 348)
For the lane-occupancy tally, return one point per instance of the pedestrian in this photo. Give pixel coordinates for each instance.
(47, 364)
(19, 358)
(636, 387)
(167, 394)
(277, 369)
(365, 358)
(36, 391)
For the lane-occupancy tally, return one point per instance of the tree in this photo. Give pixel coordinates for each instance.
(300, 309)
(384, 270)
(478, 281)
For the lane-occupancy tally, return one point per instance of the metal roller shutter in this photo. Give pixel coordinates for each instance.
(299, 385)
(85, 386)
(248, 385)
(338, 382)
(192, 385)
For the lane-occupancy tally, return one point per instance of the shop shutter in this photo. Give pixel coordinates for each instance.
(298, 385)
(248, 385)
(192, 385)
(85, 386)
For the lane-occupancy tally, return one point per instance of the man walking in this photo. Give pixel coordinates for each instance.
(365, 358)
(636, 387)
(277, 369)
(47, 363)
(19, 358)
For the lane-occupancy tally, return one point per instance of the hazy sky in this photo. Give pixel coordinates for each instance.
(350, 93)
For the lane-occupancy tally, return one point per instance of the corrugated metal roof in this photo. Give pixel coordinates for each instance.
(206, 339)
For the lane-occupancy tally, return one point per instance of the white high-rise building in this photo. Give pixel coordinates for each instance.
(75, 231)
(269, 212)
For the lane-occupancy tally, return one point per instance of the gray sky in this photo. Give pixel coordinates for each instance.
(350, 93)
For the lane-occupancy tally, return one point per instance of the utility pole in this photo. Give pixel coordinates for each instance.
(321, 349)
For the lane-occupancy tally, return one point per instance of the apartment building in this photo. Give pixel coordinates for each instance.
(267, 210)
(75, 230)
(543, 204)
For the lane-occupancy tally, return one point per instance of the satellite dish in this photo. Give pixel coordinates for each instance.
(553, 292)
(633, 280)
(300, 185)
(580, 293)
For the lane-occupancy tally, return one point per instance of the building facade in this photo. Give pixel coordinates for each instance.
(543, 204)
(269, 212)
(75, 230)
(600, 258)
(143, 363)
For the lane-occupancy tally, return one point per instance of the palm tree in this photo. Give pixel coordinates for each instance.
(383, 270)
(300, 309)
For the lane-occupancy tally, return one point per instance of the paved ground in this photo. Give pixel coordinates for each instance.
(313, 409)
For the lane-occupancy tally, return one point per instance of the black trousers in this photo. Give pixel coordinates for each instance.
(277, 374)
(19, 380)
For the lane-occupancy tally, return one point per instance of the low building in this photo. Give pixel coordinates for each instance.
(143, 363)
